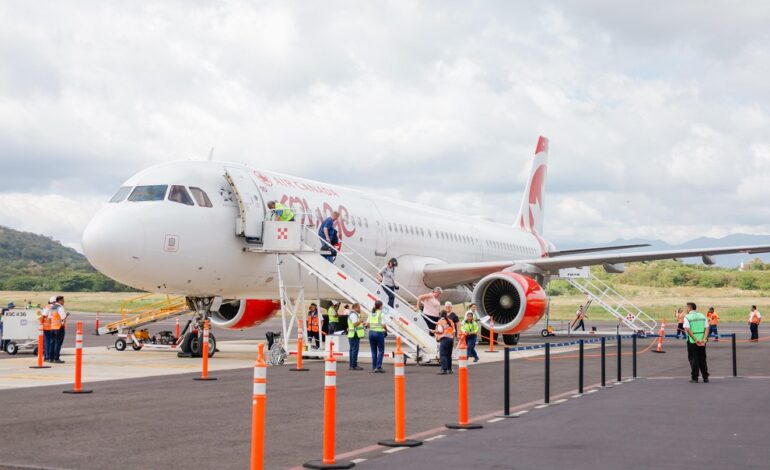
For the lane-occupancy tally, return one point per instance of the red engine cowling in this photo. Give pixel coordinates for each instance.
(515, 302)
(243, 313)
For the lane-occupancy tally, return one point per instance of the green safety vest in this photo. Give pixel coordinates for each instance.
(286, 214)
(469, 327)
(332, 315)
(354, 331)
(375, 321)
(697, 325)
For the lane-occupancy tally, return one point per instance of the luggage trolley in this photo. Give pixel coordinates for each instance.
(20, 330)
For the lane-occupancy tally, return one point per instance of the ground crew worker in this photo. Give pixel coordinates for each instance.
(280, 211)
(755, 318)
(355, 333)
(58, 328)
(679, 314)
(331, 312)
(470, 328)
(48, 341)
(695, 327)
(376, 324)
(387, 278)
(444, 334)
(343, 313)
(312, 326)
(578, 322)
(713, 319)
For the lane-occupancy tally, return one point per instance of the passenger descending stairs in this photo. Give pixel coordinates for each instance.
(613, 302)
(136, 318)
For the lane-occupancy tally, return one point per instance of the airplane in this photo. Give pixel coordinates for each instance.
(184, 227)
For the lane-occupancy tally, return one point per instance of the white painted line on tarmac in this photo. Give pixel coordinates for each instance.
(434, 438)
(394, 450)
(544, 405)
(358, 460)
(593, 390)
(462, 430)
(629, 380)
(559, 401)
(494, 420)
(577, 395)
(519, 413)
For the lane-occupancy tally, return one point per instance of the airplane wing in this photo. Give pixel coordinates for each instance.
(577, 251)
(446, 275)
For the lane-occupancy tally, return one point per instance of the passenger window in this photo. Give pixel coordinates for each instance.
(121, 194)
(200, 197)
(179, 194)
(390, 227)
(366, 222)
(358, 219)
(148, 193)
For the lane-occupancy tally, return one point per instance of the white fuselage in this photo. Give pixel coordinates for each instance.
(170, 247)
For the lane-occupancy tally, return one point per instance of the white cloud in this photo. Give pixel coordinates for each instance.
(658, 127)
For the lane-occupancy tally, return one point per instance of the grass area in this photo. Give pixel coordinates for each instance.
(659, 302)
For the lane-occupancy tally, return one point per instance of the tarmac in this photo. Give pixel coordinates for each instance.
(169, 420)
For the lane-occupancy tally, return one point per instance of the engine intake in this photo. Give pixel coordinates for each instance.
(513, 301)
(238, 314)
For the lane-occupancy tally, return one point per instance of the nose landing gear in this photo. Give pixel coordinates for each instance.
(192, 342)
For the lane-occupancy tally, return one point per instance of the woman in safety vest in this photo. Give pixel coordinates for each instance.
(312, 326)
(376, 324)
(355, 333)
(444, 334)
(470, 328)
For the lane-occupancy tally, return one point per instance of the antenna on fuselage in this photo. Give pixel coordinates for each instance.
(211, 153)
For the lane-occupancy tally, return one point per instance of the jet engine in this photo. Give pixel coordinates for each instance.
(515, 302)
(238, 314)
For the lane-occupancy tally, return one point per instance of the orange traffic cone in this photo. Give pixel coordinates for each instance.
(661, 334)
(462, 376)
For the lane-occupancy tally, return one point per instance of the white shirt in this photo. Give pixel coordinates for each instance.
(755, 312)
(353, 317)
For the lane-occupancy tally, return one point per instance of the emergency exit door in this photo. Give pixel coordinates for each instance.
(251, 209)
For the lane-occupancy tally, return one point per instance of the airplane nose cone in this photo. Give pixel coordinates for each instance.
(113, 243)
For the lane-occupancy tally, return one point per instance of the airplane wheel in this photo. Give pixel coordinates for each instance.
(120, 344)
(186, 340)
(212, 345)
(195, 345)
(511, 340)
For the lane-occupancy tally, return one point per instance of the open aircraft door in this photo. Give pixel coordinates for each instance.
(251, 209)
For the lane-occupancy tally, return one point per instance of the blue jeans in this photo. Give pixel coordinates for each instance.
(354, 346)
(713, 331)
(48, 344)
(58, 341)
(445, 352)
(470, 341)
(377, 343)
(391, 293)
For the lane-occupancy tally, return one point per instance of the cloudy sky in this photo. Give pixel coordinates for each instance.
(658, 112)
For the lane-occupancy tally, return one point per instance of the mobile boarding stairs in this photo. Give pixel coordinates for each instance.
(351, 275)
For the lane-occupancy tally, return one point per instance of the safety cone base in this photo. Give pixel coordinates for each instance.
(299, 369)
(659, 352)
(404, 443)
(77, 392)
(204, 379)
(464, 426)
(488, 351)
(39, 367)
(321, 464)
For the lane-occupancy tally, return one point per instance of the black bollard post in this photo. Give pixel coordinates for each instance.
(603, 361)
(580, 369)
(547, 372)
(507, 385)
(633, 347)
(735, 359)
(620, 359)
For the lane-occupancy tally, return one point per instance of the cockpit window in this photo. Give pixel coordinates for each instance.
(121, 194)
(200, 197)
(148, 193)
(179, 194)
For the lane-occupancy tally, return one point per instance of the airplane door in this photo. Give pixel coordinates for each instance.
(381, 232)
(251, 209)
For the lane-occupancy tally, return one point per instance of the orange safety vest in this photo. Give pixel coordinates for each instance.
(55, 320)
(312, 323)
(713, 319)
(47, 320)
(447, 329)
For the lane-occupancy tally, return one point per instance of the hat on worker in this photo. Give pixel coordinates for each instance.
(11, 305)
(52, 300)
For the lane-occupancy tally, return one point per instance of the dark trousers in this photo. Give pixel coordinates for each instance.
(697, 357)
(754, 327)
(445, 346)
(377, 343)
(390, 292)
(48, 344)
(313, 335)
(713, 331)
(470, 341)
(680, 330)
(580, 325)
(332, 327)
(354, 343)
(59, 335)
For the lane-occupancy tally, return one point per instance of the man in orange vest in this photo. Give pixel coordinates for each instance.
(754, 319)
(713, 319)
(58, 328)
(48, 341)
(312, 326)
(444, 334)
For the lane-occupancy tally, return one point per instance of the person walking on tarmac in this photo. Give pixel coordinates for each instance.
(331, 312)
(695, 328)
(58, 328)
(470, 328)
(313, 332)
(376, 324)
(280, 212)
(445, 334)
(578, 322)
(387, 278)
(713, 319)
(355, 333)
(679, 314)
(755, 318)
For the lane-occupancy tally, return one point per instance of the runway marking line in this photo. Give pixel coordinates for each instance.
(494, 420)
(541, 406)
(394, 450)
(594, 390)
(358, 460)
(439, 436)
(559, 401)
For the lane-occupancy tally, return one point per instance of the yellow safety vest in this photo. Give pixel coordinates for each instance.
(355, 331)
(286, 213)
(332, 315)
(469, 327)
(375, 321)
